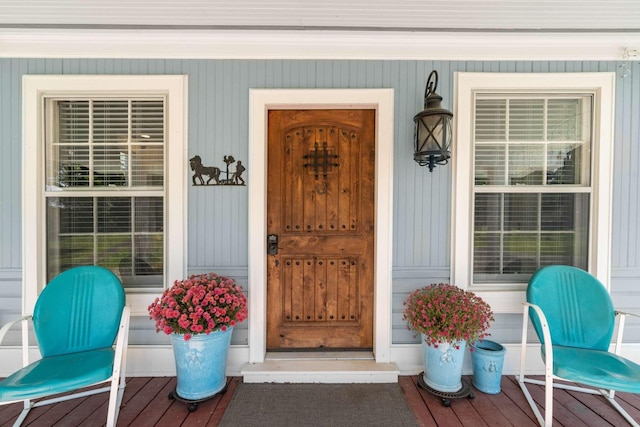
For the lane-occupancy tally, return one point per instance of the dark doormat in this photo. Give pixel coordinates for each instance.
(318, 405)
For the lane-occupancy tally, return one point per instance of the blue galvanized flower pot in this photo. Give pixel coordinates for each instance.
(201, 364)
(487, 359)
(443, 366)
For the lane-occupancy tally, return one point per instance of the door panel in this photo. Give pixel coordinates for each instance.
(320, 204)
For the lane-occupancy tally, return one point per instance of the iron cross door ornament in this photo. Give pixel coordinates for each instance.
(321, 161)
(214, 173)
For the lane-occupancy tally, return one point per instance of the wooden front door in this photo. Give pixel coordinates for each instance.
(320, 208)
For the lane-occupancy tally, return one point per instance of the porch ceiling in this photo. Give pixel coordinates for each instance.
(377, 15)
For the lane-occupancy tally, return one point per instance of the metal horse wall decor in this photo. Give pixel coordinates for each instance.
(214, 173)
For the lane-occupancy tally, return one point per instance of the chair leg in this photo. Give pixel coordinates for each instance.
(115, 399)
(610, 397)
(548, 397)
(118, 382)
(23, 414)
(522, 379)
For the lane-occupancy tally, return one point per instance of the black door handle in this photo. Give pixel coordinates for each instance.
(272, 244)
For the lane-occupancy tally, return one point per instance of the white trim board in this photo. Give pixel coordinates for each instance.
(142, 360)
(35, 89)
(504, 297)
(262, 100)
(157, 360)
(314, 44)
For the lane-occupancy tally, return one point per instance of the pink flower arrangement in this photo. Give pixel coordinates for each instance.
(200, 304)
(446, 313)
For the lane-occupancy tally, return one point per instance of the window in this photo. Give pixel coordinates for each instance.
(532, 179)
(542, 143)
(102, 194)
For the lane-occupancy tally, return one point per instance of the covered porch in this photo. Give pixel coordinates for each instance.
(146, 403)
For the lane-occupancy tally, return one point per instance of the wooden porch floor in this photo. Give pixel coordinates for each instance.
(146, 403)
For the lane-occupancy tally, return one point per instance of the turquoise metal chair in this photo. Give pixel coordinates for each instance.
(573, 316)
(76, 320)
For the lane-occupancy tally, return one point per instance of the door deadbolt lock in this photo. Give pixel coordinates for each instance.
(272, 244)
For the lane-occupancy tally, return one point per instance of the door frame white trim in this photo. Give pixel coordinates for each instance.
(260, 102)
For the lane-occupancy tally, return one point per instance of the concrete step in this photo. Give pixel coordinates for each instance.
(327, 367)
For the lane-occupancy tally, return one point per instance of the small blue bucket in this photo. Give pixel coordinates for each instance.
(487, 360)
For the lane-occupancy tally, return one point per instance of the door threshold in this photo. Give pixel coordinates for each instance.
(320, 355)
(320, 367)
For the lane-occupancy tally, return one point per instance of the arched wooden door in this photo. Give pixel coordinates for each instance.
(320, 209)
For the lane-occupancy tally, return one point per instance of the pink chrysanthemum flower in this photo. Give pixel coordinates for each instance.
(199, 304)
(446, 313)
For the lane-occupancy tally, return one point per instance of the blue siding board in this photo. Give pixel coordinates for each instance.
(218, 117)
(629, 185)
(634, 211)
(620, 187)
(5, 172)
(10, 301)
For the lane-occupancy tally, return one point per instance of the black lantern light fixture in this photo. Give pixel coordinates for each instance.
(433, 128)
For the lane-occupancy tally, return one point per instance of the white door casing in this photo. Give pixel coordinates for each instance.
(260, 102)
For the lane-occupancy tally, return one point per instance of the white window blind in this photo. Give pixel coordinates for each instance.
(105, 186)
(531, 187)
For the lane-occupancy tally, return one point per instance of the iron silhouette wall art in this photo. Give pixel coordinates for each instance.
(215, 174)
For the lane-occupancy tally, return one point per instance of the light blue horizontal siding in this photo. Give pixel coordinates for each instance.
(10, 302)
(218, 126)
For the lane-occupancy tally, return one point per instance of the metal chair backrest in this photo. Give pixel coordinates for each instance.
(78, 310)
(577, 306)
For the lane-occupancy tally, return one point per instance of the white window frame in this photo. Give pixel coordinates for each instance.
(602, 87)
(38, 87)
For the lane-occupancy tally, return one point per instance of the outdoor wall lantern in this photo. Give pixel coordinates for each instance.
(433, 128)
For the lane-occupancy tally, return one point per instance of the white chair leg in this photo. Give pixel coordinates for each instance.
(531, 402)
(609, 396)
(114, 403)
(118, 382)
(548, 398)
(522, 379)
(23, 414)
